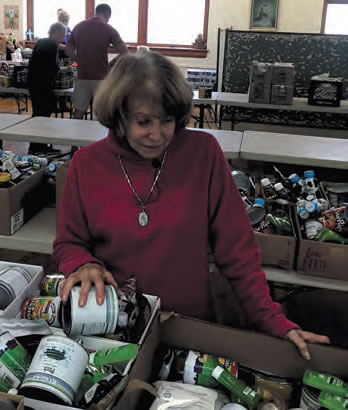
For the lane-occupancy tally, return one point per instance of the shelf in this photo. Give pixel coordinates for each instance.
(37, 235)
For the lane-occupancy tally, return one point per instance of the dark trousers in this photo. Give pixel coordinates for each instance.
(43, 104)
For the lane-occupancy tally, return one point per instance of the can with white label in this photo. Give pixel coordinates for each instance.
(13, 280)
(91, 319)
(56, 371)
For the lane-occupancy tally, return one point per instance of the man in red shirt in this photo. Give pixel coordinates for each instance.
(88, 44)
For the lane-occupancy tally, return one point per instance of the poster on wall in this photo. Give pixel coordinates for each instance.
(11, 17)
(264, 14)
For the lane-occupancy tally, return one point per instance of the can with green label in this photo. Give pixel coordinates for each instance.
(14, 360)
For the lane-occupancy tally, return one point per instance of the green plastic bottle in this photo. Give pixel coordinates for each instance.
(325, 383)
(4, 386)
(114, 355)
(245, 393)
(332, 402)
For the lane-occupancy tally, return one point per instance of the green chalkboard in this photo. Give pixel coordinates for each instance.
(312, 54)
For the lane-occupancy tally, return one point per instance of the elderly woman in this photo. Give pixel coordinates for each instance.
(151, 197)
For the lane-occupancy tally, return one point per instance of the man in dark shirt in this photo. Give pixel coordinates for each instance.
(88, 44)
(43, 68)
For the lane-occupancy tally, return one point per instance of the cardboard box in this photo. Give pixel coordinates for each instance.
(283, 73)
(282, 94)
(21, 202)
(32, 289)
(6, 81)
(250, 349)
(261, 73)
(19, 400)
(259, 93)
(328, 260)
(62, 172)
(98, 343)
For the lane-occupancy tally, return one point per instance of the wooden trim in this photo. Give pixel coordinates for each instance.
(142, 22)
(30, 15)
(89, 8)
(206, 19)
(326, 3)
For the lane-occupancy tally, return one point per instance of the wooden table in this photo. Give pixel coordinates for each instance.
(295, 149)
(57, 131)
(235, 100)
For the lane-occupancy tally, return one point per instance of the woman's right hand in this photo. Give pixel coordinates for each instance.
(88, 274)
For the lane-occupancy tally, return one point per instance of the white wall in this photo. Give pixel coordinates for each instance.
(294, 16)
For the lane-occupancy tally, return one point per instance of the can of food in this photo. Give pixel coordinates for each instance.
(13, 280)
(201, 92)
(56, 371)
(92, 319)
(14, 360)
(43, 307)
(50, 285)
(309, 398)
(199, 368)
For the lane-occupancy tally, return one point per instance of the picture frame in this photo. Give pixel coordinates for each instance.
(264, 14)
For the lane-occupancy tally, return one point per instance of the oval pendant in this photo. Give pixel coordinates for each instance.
(143, 218)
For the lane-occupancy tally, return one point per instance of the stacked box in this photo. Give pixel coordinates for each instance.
(259, 93)
(283, 77)
(201, 78)
(260, 82)
(282, 94)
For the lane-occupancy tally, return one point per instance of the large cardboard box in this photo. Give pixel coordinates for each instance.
(62, 172)
(250, 349)
(328, 260)
(21, 202)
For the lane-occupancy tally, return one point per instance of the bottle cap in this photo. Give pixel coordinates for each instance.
(5, 177)
(265, 181)
(36, 167)
(278, 186)
(1, 153)
(259, 201)
(308, 174)
(294, 178)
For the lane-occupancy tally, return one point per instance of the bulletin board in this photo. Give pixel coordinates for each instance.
(312, 54)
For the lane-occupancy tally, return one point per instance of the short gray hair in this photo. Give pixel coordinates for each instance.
(56, 27)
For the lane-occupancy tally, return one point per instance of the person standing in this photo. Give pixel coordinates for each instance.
(43, 68)
(64, 17)
(88, 44)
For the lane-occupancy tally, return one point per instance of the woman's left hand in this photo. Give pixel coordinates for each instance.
(300, 337)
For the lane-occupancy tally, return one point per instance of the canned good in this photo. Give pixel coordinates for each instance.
(56, 371)
(43, 307)
(50, 285)
(12, 281)
(92, 319)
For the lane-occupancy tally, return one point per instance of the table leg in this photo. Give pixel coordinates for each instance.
(232, 119)
(18, 102)
(201, 115)
(221, 113)
(26, 103)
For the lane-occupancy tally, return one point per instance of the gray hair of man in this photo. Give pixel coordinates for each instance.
(56, 28)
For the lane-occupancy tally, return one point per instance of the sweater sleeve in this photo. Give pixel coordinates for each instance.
(236, 252)
(72, 247)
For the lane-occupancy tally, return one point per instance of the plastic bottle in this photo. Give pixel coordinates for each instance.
(268, 188)
(246, 394)
(326, 383)
(329, 401)
(297, 185)
(9, 167)
(281, 192)
(114, 355)
(301, 210)
(311, 187)
(312, 228)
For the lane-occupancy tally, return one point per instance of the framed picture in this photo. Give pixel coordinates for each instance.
(11, 17)
(264, 14)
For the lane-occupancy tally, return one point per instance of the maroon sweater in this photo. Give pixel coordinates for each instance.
(194, 202)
